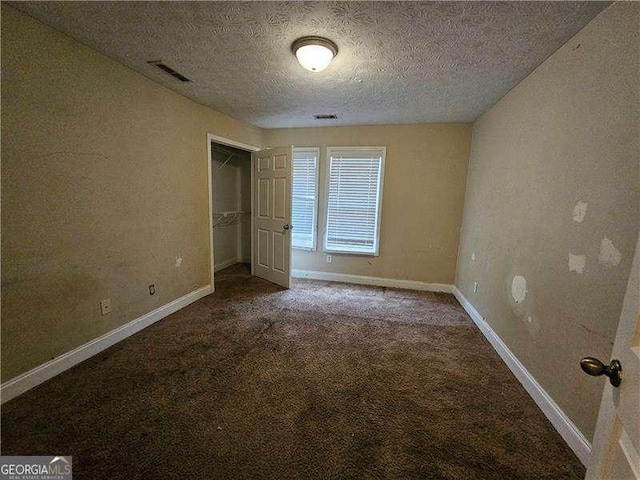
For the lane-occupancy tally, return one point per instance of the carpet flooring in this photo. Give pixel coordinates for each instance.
(322, 381)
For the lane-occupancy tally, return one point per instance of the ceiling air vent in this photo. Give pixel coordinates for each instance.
(169, 70)
(325, 117)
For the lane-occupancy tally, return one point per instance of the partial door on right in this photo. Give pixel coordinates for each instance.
(616, 447)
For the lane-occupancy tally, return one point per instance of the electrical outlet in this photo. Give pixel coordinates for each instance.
(152, 289)
(105, 306)
(475, 287)
(329, 258)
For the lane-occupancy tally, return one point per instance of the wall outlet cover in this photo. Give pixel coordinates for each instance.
(105, 306)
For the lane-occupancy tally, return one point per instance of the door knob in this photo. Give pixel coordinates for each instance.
(593, 366)
(288, 227)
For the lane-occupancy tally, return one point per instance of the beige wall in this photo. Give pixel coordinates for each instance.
(567, 134)
(425, 173)
(104, 183)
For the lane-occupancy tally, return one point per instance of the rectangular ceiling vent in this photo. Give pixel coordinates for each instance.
(169, 70)
(325, 117)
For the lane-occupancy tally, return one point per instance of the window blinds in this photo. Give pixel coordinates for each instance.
(354, 200)
(304, 198)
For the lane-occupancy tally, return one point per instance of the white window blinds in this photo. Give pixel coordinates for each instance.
(354, 199)
(304, 201)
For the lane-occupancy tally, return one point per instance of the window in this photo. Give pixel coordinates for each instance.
(304, 203)
(354, 199)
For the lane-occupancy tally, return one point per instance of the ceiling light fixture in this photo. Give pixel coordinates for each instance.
(314, 53)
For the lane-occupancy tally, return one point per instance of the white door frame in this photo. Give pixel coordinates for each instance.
(230, 143)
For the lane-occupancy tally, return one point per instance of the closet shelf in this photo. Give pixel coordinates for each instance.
(232, 212)
(225, 152)
(223, 219)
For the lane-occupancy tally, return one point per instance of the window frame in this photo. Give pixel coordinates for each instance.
(314, 236)
(326, 182)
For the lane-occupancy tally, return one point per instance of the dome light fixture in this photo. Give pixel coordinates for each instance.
(314, 53)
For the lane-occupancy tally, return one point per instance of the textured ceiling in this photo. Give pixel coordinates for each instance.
(398, 62)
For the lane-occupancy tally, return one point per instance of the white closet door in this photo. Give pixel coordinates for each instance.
(272, 215)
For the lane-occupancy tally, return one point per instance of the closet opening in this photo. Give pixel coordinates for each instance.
(231, 201)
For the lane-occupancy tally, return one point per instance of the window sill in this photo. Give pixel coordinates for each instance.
(349, 252)
(302, 249)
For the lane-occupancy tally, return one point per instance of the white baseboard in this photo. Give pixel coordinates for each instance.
(225, 264)
(377, 281)
(561, 422)
(28, 380)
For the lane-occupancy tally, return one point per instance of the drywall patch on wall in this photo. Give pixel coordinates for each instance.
(579, 211)
(540, 148)
(519, 289)
(577, 263)
(609, 254)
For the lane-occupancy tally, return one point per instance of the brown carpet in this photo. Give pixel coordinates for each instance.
(324, 381)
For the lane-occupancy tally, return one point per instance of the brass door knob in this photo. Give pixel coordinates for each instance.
(594, 367)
